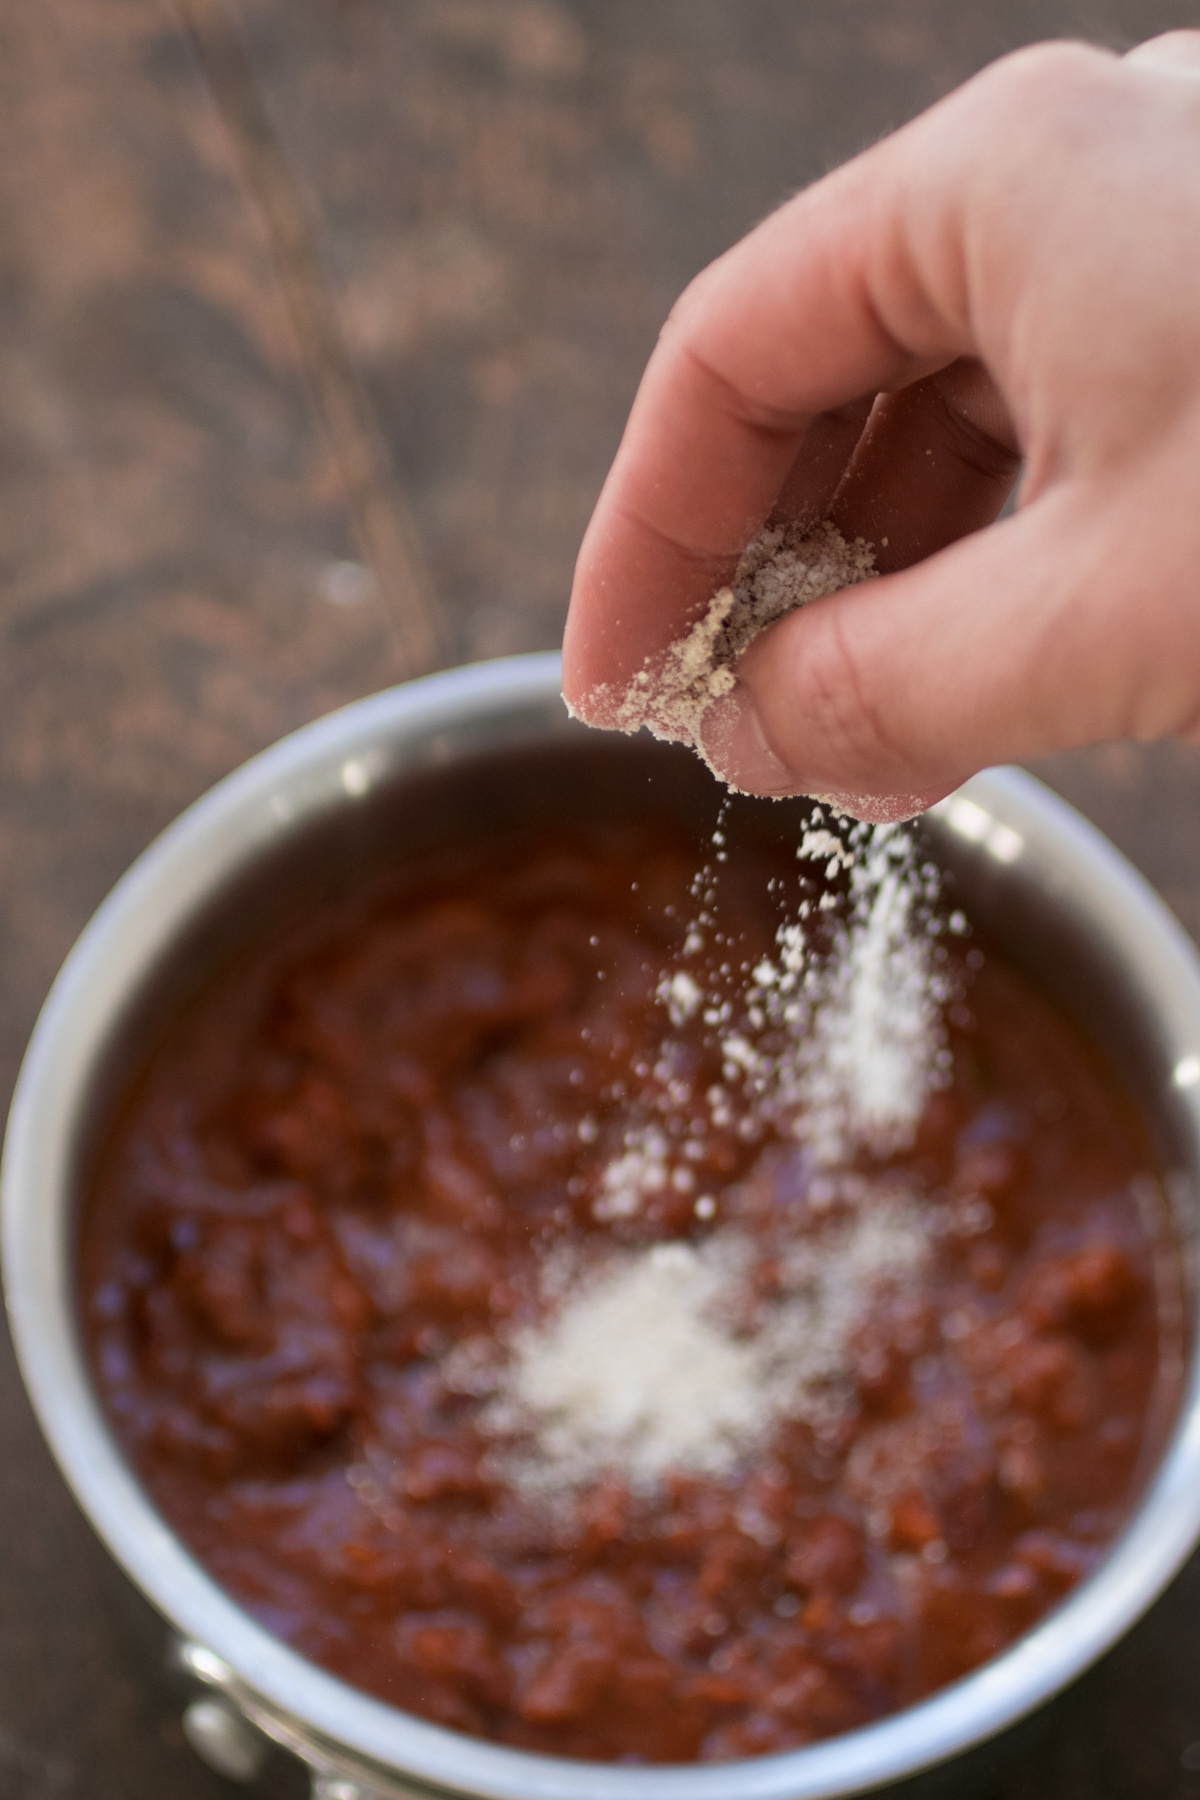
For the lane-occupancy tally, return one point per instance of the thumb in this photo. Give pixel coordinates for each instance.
(1065, 625)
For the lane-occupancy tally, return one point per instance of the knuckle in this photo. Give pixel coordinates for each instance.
(1045, 73)
(1019, 109)
(726, 395)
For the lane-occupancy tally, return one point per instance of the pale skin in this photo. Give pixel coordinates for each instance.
(1012, 280)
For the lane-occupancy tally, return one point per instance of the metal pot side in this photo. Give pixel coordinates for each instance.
(1025, 856)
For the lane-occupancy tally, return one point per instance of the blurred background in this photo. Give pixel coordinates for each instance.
(319, 320)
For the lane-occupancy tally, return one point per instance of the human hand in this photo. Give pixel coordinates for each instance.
(1013, 277)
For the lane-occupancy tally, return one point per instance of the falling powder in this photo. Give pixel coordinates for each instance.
(668, 1358)
(865, 1045)
(642, 1170)
(876, 1044)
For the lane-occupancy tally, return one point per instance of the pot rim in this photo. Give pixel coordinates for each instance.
(336, 759)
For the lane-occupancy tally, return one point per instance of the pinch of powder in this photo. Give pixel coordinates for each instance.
(783, 568)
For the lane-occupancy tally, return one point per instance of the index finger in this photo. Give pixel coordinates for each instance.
(829, 299)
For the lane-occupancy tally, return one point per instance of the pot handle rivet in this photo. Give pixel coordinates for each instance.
(224, 1739)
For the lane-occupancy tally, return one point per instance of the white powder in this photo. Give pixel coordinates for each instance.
(867, 1047)
(641, 1170)
(839, 1046)
(662, 1360)
(877, 1040)
(688, 1356)
(783, 568)
(670, 1358)
(681, 994)
(636, 1373)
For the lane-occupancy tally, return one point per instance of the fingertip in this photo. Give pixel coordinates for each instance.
(884, 809)
(591, 706)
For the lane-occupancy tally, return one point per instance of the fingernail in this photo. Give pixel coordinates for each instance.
(736, 746)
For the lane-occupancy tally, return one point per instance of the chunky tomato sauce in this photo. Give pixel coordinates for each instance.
(360, 1145)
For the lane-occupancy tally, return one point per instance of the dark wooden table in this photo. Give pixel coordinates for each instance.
(318, 324)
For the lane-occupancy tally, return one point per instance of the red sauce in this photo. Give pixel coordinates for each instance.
(360, 1144)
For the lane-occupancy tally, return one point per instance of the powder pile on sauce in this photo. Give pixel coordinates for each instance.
(783, 568)
(657, 1362)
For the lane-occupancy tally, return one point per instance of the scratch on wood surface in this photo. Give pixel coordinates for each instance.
(383, 521)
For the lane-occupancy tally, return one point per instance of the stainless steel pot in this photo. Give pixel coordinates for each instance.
(1067, 905)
